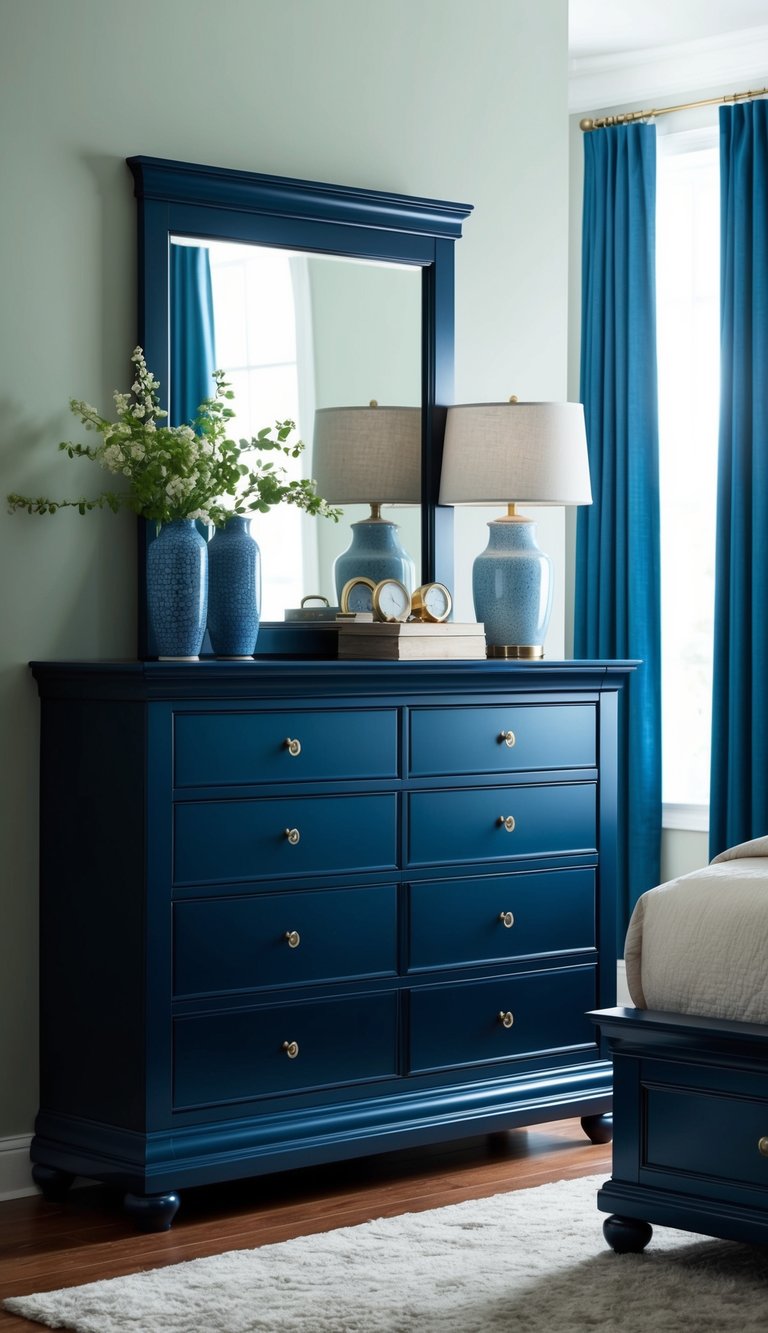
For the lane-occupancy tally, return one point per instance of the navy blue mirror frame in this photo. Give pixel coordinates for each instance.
(178, 198)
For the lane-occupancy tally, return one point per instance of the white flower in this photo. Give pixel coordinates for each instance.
(137, 450)
(202, 514)
(113, 457)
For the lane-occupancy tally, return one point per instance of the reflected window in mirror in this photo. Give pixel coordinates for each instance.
(294, 333)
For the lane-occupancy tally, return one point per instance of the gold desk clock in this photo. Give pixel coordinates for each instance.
(431, 603)
(391, 601)
(357, 595)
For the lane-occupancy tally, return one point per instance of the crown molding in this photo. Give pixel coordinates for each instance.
(733, 61)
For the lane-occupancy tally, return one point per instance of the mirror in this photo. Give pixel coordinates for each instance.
(361, 308)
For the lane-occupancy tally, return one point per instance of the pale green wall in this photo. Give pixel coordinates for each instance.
(433, 97)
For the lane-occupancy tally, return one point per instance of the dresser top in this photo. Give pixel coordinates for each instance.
(291, 678)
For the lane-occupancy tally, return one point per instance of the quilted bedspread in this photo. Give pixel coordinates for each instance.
(699, 944)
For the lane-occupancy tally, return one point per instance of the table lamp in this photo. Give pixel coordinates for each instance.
(369, 455)
(514, 453)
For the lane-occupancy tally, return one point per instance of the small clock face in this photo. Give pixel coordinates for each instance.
(432, 601)
(357, 595)
(391, 600)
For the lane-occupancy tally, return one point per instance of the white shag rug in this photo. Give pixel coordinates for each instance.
(531, 1261)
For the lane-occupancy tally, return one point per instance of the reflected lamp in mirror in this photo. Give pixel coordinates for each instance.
(369, 455)
(514, 453)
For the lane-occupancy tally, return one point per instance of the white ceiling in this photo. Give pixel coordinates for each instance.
(623, 51)
(600, 28)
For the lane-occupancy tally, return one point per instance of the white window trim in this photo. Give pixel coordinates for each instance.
(694, 818)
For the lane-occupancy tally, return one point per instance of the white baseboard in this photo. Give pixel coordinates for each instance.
(15, 1168)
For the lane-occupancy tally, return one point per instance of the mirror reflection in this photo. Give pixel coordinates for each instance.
(298, 333)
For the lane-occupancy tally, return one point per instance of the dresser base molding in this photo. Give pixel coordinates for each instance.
(158, 1163)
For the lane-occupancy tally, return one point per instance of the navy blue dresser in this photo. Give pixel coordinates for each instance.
(299, 911)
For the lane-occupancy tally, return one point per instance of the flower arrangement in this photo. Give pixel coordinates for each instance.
(182, 472)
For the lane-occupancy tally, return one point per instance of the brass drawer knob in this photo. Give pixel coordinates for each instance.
(293, 747)
(506, 1018)
(291, 1049)
(762, 1146)
(506, 919)
(293, 937)
(293, 836)
(507, 822)
(508, 737)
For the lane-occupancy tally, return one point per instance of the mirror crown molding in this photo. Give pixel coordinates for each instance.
(186, 183)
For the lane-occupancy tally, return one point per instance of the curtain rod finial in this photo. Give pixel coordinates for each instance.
(586, 124)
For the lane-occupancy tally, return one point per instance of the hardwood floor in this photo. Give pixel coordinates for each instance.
(44, 1246)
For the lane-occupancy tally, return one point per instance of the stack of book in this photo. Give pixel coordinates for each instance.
(411, 640)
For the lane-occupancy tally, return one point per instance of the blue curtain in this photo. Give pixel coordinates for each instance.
(192, 332)
(739, 781)
(618, 591)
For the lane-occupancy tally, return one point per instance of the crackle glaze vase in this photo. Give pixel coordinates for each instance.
(177, 590)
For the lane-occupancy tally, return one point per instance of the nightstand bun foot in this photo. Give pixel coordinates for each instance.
(626, 1235)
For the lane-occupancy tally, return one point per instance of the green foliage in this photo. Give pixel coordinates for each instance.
(193, 471)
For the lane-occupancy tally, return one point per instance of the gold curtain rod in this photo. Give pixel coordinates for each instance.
(626, 117)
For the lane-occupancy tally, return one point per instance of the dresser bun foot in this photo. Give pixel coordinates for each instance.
(52, 1183)
(152, 1212)
(626, 1235)
(598, 1128)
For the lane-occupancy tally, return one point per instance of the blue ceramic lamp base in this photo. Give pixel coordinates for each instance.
(376, 554)
(512, 589)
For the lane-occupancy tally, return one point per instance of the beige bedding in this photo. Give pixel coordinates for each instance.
(699, 944)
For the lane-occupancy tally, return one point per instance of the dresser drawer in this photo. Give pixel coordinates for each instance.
(503, 916)
(249, 840)
(282, 939)
(502, 739)
(468, 824)
(228, 748)
(462, 1024)
(237, 1056)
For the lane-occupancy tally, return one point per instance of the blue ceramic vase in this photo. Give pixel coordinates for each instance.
(375, 553)
(234, 590)
(177, 590)
(512, 589)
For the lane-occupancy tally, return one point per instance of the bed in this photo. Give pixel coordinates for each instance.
(690, 1146)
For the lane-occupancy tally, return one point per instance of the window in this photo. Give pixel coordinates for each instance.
(688, 266)
(259, 295)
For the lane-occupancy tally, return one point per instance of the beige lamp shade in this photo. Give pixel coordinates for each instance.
(368, 455)
(507, 453)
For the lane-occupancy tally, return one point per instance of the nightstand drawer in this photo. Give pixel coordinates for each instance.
(231, 748)
(693, 1133)
(291, 835)
(502, 916)
(502, 739)
(283, 1048)
(494, 823)
(505, 1019)
(283, 939)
